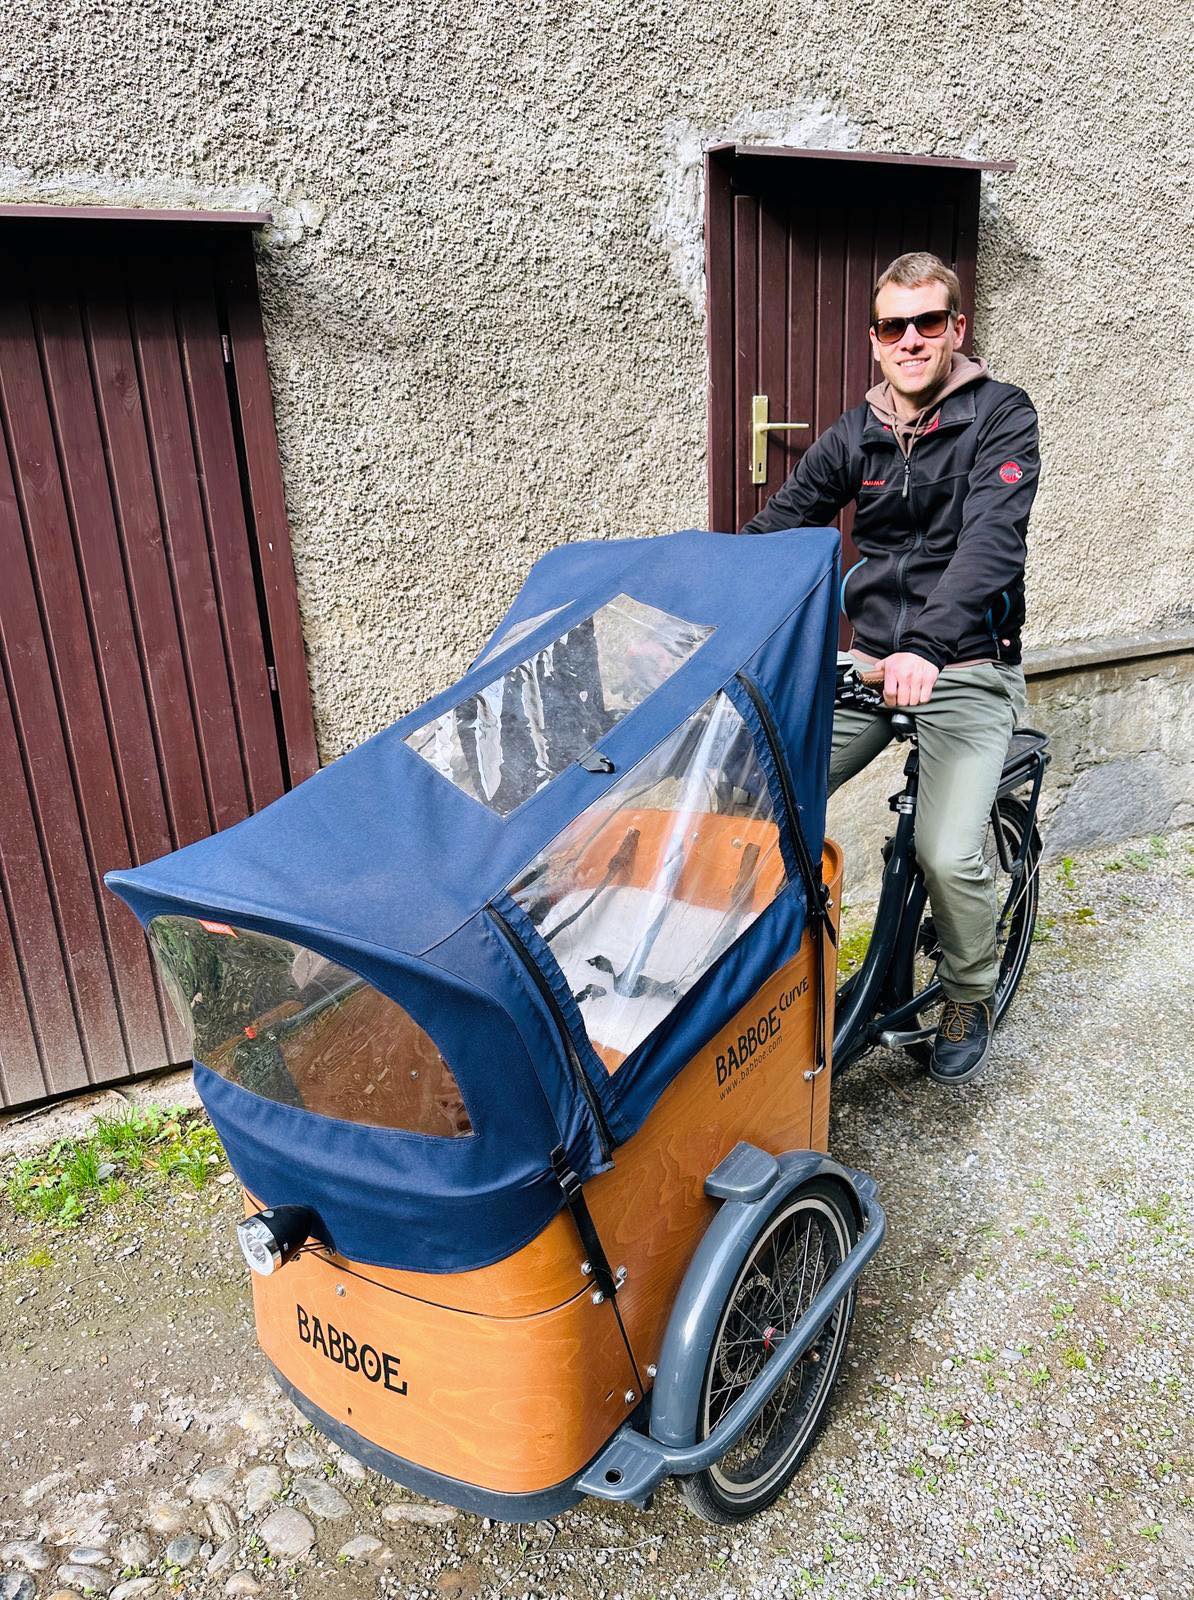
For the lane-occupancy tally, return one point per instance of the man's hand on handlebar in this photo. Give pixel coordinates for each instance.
(907, 679)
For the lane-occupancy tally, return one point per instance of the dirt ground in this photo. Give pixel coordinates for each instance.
(1014, 1417)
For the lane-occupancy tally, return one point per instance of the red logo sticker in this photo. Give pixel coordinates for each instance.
(874, 483)
(1011, 472)
(217, 927)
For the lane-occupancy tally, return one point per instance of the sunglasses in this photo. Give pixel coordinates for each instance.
(929, 324)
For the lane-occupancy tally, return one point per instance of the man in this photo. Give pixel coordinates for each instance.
(942, 463)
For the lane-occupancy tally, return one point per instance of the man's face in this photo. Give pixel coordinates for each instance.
(916, 366)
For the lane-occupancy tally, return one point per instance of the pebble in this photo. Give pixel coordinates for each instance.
(89, 1555)
(132, 1587)
(400, 1511)
(214, 1484)
(322, 1499)
(358, 1549)
(28, 1553)
(287, 1532)
(242, 1583)
(262, 1485)
(220, 1520)
(300, 1455)
(349, 1467)
(85, 1578)
(255, 1424)
(65, 1594)
(17, 1586)
(165, 1517)
(223, 1557)
(134, 1550)
(182, 1550)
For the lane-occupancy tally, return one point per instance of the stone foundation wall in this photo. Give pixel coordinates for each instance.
(1122, 741)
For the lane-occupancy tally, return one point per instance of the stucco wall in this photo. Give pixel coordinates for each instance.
(483, 292)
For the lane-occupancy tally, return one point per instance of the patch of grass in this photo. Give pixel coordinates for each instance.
(39, 1260)
(1158, 1212)
(851, 951)
(1074, 1358)
(75, 1177)
(1065, 873)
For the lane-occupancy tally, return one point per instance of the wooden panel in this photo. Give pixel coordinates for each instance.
(137, 713)
(55, 693)
(746, 349)
(175, 470)
(40, 1049)
(125, 430)
(512, 1404)
(719, 317)
(268, 497)
(227, 531)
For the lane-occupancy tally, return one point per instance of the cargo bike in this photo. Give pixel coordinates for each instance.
(516, 1023)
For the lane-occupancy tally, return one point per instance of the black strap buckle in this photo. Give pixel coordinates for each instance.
(574, 1199)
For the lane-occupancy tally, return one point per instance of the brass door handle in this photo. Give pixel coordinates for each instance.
(759, 429)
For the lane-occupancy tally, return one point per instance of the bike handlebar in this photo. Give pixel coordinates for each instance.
(853, 689)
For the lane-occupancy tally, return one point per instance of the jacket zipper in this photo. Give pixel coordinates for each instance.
(902, 613)
(605, 1138)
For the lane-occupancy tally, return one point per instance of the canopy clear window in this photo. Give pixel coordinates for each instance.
(505, 742)
(647, 888)
(287, 1024)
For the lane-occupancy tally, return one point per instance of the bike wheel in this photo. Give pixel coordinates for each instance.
(1016, 916)
(802, 1243)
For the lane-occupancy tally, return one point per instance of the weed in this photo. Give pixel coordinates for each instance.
(1151, 1531)
(1040, 1377)
(851, 951)
(1158, 1212)
(1074, 1358)
(39, 1260)
(73, 1177)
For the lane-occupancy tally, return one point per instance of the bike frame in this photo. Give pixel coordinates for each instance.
(874, 1005)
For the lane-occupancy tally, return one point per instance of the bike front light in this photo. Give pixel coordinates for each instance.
(269, 1239)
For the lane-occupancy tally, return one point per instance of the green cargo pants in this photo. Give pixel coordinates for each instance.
(963, 731)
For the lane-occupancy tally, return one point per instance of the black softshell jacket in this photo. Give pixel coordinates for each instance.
(942, 536)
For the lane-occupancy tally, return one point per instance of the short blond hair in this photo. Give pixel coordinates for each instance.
(916, 267)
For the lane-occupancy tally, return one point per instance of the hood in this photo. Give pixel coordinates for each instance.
(963, 371)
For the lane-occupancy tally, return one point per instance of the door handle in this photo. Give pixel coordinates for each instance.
(759, 429)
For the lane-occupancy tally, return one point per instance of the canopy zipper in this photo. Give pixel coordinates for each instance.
(605, 1138)
(815, 891)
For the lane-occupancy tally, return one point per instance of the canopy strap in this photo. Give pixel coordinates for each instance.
(574, 1199)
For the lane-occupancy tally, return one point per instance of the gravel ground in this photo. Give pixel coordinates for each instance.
(1010, 1423)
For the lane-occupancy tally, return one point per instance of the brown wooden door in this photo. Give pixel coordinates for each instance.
(794, 242)
(153, 686)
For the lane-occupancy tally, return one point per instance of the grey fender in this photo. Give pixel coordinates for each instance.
(750, 1184)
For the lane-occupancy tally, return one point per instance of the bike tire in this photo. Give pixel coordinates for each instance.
(741, 1485)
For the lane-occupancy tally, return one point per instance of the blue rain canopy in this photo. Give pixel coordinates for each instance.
(488, 938)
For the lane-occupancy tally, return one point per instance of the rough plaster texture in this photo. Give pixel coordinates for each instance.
(483, 292)
(1123, 765)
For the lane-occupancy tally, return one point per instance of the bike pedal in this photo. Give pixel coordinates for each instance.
(900, 1041)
